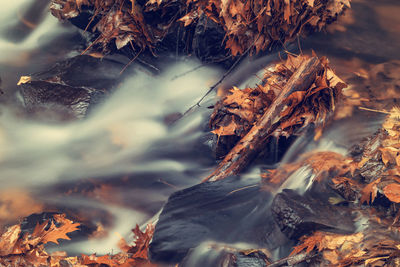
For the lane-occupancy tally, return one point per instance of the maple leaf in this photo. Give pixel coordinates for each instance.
(309, 243)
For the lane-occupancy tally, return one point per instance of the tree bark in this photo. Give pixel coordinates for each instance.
(255, 140)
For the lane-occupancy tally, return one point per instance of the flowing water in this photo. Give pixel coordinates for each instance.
(117, 167)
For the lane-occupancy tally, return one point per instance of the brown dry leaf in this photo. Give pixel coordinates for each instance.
(93, 259)
(142, 242)
(309, 243)
(369, 192)
(392, 192)
(389, 155)
(9, 239)
(328, 161)
(28, 249)
(226, 130)
(248, 25)
(53, 233)
(333, 246)
(237, 112)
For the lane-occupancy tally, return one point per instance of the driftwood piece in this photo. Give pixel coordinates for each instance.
(255, 140)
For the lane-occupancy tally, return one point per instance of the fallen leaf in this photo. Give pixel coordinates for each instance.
(392, 192)
(369, 192)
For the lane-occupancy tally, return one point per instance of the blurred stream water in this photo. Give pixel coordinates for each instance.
(125, 159)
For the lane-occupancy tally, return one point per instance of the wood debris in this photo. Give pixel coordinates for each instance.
(299, 92)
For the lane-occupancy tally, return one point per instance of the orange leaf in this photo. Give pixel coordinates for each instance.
(142, 242)
(392, 192)
(92, 259)
(53, 233)
(226, 130)
(9, 239)
(370, 191)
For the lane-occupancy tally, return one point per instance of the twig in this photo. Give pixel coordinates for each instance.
(226, 74)
(187, 72)
(374, 110)
(130, 62)
(292, 260)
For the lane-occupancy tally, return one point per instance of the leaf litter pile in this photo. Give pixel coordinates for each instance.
(295, 95)
(247, 25)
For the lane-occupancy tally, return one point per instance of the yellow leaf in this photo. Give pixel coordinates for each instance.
(24, 79)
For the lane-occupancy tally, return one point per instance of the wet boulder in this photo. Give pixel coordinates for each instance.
(71, 87)
(223, 255)
(230, 210)
(298, 215)
(207, 39)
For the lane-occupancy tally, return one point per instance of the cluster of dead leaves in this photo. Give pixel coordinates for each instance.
(358, 178)
(361, 178)
(253, 25)
(257, 24)
(239, 110)
(117, 22)
(383, 154)
(371, 247)
(22, 248)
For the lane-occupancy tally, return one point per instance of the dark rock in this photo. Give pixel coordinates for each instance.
(230, 210)
(208, 43)
(222, 255)
(298, 215)
(71, 87)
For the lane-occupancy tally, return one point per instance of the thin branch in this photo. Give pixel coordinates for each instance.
(292, 260)
(226, 74)
(187, 72)
(131, 61)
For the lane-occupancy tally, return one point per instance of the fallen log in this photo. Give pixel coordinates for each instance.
(255, 140)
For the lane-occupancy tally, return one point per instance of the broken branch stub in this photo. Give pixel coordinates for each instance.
(255, 140)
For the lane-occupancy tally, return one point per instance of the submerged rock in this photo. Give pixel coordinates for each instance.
(222, 255)
(230, 210)
(298, 215)
(71, 87)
